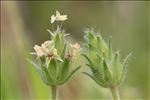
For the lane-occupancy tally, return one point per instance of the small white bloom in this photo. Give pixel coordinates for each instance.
(46, 49)
(53, 18)
(47, 44)
(39, 51)
(60, 17)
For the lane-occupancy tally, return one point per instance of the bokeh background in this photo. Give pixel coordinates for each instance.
(24, 24)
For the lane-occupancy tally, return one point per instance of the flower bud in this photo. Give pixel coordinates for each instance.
(106, 66)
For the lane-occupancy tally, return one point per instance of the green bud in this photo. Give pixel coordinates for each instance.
(106, 66)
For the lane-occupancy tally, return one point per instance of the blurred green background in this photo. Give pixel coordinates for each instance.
(24, 24)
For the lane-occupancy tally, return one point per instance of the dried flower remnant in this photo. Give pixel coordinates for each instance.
(73, 51)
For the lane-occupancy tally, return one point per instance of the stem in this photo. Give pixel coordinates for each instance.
(54, 92)
(115, 93)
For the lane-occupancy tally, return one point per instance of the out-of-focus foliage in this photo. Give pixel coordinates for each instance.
(24, 24)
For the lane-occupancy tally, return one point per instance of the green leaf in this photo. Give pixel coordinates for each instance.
(98, 82)
(69, 76)
(107, 73)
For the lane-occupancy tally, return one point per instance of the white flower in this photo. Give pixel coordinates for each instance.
(47, 44)
(46, 49)
(60, 17)
(39, 51)
(53, 18)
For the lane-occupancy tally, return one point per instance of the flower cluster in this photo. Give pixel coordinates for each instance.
(55, 56)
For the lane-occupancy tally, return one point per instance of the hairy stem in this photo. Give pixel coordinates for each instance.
(54, 93)
(115, 93)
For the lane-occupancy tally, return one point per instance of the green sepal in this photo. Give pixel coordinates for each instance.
(36, 66)
(107, 73)
(110, 52)
(59, 43)
(102, 46)
(42, 71)
(123, 72)
(116, 69)
(88, 59)
(63, 51)
(69, 76)
(64, 70)
(98, 82)
(52, 69)
(98, 74)
(91, 37)
(46, 76)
